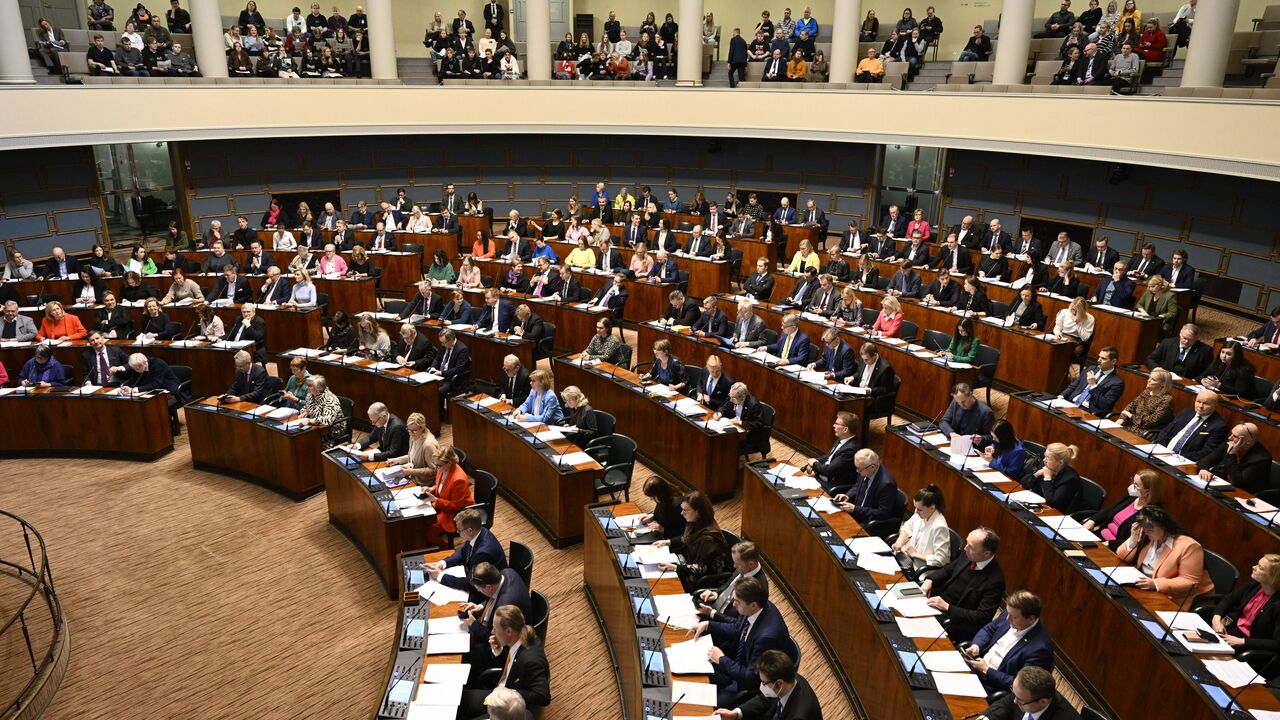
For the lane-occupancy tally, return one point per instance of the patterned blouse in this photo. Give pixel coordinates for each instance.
(1150, 412)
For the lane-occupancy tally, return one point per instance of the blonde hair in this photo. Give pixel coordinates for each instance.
(574, 394)
(1165, 379)
(1156, 282)
(891, 304)
(306, 276)
(1062, 453)
(1271, 568)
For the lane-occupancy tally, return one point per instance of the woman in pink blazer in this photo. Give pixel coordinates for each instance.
(889, 322)
(1172, 561)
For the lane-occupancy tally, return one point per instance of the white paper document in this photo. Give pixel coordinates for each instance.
(676, 610)
(653, 554)
(885, 565)
(1123, 574)
(1234, 673)
(449, 644)
(695, 693)
(447, 673)
(440, 594)
(936, 439)
(446, 626)
(965, 684)
(574, 458)
(1026, 496)
(867, 545)
(915, 607)
(1182, 622)
(944, 661)
(925, 627)
(991, 476)
(449, 694)
(802, 482)
(823, 505)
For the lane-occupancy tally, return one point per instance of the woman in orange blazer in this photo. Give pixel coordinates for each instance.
(1172, 562)
(450, 494)
(57, 324)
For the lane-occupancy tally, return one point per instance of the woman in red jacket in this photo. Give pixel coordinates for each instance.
(1152, 43)
(450, 494)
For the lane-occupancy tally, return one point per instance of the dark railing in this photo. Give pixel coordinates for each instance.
(29, 616)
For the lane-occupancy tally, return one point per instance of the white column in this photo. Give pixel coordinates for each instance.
(1210, 43)
(1015, 42)
(206, 30)
(843, 32)
(537, 47)
(15, 65)
(689, 62)
(382, 40)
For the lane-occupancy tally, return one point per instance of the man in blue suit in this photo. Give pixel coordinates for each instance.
(837, 359)
(230, 286)
(1117, 290)
(785, 214)
(1098, 388)
(1011, 642)
(894, 224)
(478, 546)
(792, 345)
(664, 269)
(499, 587)
(738, 644)
(497, 314)
(874, 495)
(1179, 274)
(453, 363)
(905, 282)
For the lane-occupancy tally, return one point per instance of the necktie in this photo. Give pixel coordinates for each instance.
(742, 636)
(495, 318)
(506, 669)
(1142, 266)
(104, 368)
(1083, 397)
(1186, 434)
(1182, 354)
(973, 566)
(1275, 337)
(800, 290)
(714, 223)
(786, 347)
(813, 216)
(711, 383)
(445, 362)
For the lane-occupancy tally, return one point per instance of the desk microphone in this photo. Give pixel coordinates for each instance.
(194, 323)
(645, 671)
(933, 424)
(920, 655)
(673, 706)
(902, 575)
(654, 585)
(1232, 700)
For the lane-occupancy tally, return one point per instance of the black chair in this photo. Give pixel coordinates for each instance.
(394, 307)
(731, 538)
(348, 410)
(485, 491)
(682, 279)
(887, 404)
(936, 340)
(1275, 474)
(1198, 286)
(1090, 499)
(322, 302)
(735, 265)
(684, 226)
(605, 423)
(1261, 388)
(956, 543)
(486, 281)
(910, 330)
(539, 614)
(624, 356)
(275, 386)
(642, 368)
(812, 355)
(793, 650)
(547, 343)
(462, 458)
(618, 459)
(769, 336)
(987, 359)
(1221, 571)
(882, 283)
(695, 378)
(763, 442)
(183, 374)
(172, 330)
(999, 309)
(520, 559)
(1270, 496)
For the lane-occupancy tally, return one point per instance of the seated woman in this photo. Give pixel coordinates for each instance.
(1231, 373)
(134, 289)
(303, 292)
(666, 518)
(88, 288)
(1074, 322)
(580, 415)
(456, 310)
(449, 492)
(964, 343)
(542, 404)
(702, 544)
(804, 257)
(58, 325)
(1114, 523)
(1067, 283)
(849, 310)
(1248, 617)
(154, 324)
(1005, 453)
(469, 275)
(1066, 74)
(797, 67)
(139, 262)
(418, 221)
(1159, 301)
(667, 368)
(441, 272)
(374, 342)
(484, 248)
(994, 266)
(974, 298)
(360, 265)
(209, 326)
(641, 261)
(1057, 482)
(182, 289)
(42, 370)
(582, 256)
(1152, 409)
(924, 537)
(604, 345)
(342, 337)
(295, 390)
(866, 275)
(1026, 312)
(889, 323)
(1171, 562)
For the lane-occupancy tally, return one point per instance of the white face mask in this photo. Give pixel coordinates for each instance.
(767, 691)
(1133, 490)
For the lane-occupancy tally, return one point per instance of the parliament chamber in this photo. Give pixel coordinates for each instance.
(645, 399)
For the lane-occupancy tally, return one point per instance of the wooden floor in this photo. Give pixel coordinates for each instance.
(190, 594)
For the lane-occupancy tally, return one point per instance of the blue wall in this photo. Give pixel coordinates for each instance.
(48, 198)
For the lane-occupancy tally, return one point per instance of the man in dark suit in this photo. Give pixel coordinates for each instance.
(1098, 388)
(1196, 432)
(113, 320)
(748, 328)
(1026, 244)
(103, 364)
(453, 363)
(448, 224)
(714, 390)
(251, 381)
(259, 259)
(743, 227)
(744, 411)
(635, 232)
(1146, 264)
(792, 345)
(1241, 460)
(449, 199)
(60, 265)
(1179, 274)
(790, 696)
(954, 257)
(874, 495)
(837, 470)
(413, 349)
(826, 298)
(760, 284)
(1184, 355)
(343, 238)
(613, 296)
(712, 321)
(383, 237)
(1101, 256)
(389, 434)
(1266, 337)
(546, 279)
(362, 218)
(970, 237)
(152, 374)
(275, 289)
(738, 644)
(944, 291)
(518, 245)
(813, 216)
(499, 589)
(875, 374)
(425, 303)
(715, 224)
(881, 246)
(1014, 640)
(478, 546)
(698, 245)
(996, 236)
(775, 68)
(915, 253)
(1033, 694)
(230, 286)
(970, 588)
(894, 225)
(680, 310)
(494, 17)
(571, 289)
(664, 268)
(250, 327)
(1117, 290)
(806, 285)
(737, 58)
(837, 358)
(528, 324)
(967, 415)
(609, 259)
(718, 604)
(497, 315)
(513, 386)
(905, 282)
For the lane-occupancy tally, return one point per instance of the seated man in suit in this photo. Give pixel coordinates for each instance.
(275, 290)
(953, 257)
(874, 495)
(217, 260)
(743, 410)
(852, 239)
(250, 327)
(113, 320)
(151, 374)
(967, 415)
(944, 291)
(996, 236)
(1146, 264)
(514, 280)
(60, 265)
(1098, 388)
(609, 259)
(103, 364)
(514, 647)
(453, 363)
(1267, 336)
(876, 374)
(1178, 272)
(664, 269)
(837, 470)
(969, 235)
(517, 245)
(837, 358)
(759, 284)
(740, 643)
(528, 324)
(362, 218)
(698, 245)
(882, 246)
(792, 345)
(499, 588)
(513, 385)
(478, 546)
(814, 216)
(743, 227)
(748, 328)
(824, 300)
(1117, 290)
(1064, 250)
(1196, 432)
(1101, 256)
(1034, 694)
(497, 315)
(259, 260)
(251, 382)
(968, 589)
(16, 326)
(426, 303)
(1184, 355)
(1241, 460)
(788, 695)
(905, 282)
(1014, 640)
(230, 287)
(389, 434)
(613, 296)
(680, 310)
(712, 321)
(384, 237)
(806, 285)
(916, 252)
(546, 279)
(713, 391)
(413, 349)
(570, 289)
(718, 604)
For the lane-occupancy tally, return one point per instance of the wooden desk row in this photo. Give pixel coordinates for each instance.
(645, 300)
(487, 350)
(530, 473)
(1110, 457)
(575, 325)
(398, 268)
(212, 366)
(46, 422)
(1101, 635)
(707, 276)
(280, 453)
(366, 383)
(1267, 364)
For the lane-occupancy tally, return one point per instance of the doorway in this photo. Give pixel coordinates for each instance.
(910, 177)
(62, 14)
(559, 21)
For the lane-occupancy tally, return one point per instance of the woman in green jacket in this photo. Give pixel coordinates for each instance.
(964, 344)
(1159, 301)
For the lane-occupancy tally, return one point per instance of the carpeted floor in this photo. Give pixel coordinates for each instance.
(194, 595)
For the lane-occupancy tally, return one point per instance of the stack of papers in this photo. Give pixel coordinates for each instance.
(871, 544)
(944, 661)
(449, 644)
(1026, 496)
(936, 439)
(964, 684)
(386, 366)
(549, 435)
(816, 377)
(676, 610)
(883, 564)
(990, 476)
(689, 407)
(694, 693)
(690, 657)
(440, 594)
(653, 554)
(423, 377)
(925, 627)
(1123, 574)
(664, 391)
(1069, 528)
(1234, 673)
(804, 482)
(721, 425)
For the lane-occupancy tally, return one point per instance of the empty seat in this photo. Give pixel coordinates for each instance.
(984, 72)
(961, 72)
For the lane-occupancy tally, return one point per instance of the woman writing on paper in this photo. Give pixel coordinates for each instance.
(924, 537)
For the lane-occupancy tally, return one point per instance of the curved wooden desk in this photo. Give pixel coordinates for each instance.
(575, 325)
(364, 508)
(360, 380)
(645, 300)
(45, 423)
(212, 364)
(702, 459)
(279, 453)
(551, 495)
(633, 646)
(1103, 636)
(286, 328)
(487, 351)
